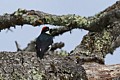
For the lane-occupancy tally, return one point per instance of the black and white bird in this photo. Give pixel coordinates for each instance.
(43, 41)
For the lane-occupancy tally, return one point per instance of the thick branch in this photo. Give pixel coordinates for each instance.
(31, 17)
(69, 22)
(99, 44)
(25, 65)
(102, 72)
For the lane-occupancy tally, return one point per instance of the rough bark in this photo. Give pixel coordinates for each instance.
(96, 71)
(56, 65)
(86, 61)
(26, 66)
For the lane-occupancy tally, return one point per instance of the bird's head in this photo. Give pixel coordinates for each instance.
(45, 29)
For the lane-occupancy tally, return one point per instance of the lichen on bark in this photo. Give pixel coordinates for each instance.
(25, 65)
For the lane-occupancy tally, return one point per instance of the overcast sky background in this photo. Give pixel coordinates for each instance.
(60, 7)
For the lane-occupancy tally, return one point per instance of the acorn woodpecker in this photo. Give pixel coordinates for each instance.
(43, 41)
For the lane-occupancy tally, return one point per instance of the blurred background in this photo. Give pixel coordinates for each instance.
(61, 7)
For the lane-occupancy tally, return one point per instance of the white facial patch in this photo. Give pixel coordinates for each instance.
(47, 32)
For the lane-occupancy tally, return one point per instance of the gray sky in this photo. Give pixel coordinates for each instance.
(26, 33)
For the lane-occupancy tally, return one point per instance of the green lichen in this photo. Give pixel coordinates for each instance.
(17, 76)
(63, 53)
(106, 35)
(36, 75)
(65, 20)
(30, 18)
(20, 12)
(102, 42)
(1, 77)
(97, 43)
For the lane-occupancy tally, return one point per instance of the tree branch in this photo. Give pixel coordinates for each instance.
(25, 65)
(99, 44)
(96, 71)
(69, 22)
(31, 17)
(31, 46)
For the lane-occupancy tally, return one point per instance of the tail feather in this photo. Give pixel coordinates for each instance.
(41, 51)
(40, 54)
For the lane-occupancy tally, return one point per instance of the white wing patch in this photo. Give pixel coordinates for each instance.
(40, 49)
(50, 46)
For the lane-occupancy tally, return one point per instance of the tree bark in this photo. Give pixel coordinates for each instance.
(56, 65)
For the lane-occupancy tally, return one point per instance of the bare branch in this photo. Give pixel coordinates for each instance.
(57, 45)
(17, 46)
(31, 46)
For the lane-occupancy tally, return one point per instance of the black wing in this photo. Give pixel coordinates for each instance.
(42, 44)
